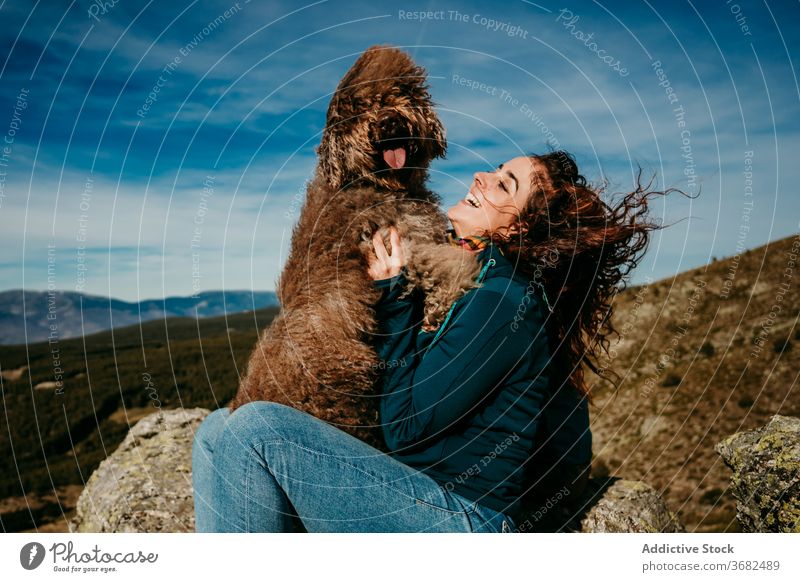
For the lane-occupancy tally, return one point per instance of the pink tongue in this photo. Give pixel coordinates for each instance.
(395, 158)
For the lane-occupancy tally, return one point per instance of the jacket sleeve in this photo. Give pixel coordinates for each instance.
(426, 393)
(399, 321)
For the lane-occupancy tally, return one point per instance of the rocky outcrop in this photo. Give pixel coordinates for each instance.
(146, 486)
(766, 475)
(620, 505)
(607, 505)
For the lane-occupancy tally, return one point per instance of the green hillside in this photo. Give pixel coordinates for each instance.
(59, 434)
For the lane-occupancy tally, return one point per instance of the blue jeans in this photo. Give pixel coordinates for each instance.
(270, 468)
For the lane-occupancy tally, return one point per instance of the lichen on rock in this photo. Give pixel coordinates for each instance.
(766, 475)
(146, 484)
(631, 507)
(607, 505)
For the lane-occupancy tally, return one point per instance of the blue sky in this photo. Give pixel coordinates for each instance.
(105, 190)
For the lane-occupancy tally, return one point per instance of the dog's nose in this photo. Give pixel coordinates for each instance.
(392, 127)
(388, 123)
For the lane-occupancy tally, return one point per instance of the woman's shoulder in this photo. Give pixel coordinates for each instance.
(511, 288)
(497, 300)
(513, 299)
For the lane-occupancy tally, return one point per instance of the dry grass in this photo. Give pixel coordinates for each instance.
(663, 422)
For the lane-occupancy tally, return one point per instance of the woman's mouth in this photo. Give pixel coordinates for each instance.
(471, 200)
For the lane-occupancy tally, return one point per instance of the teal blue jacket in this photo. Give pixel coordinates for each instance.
(471, 403)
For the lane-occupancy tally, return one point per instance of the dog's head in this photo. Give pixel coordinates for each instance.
(381, 127)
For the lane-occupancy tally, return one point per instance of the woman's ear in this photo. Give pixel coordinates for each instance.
(516, 229)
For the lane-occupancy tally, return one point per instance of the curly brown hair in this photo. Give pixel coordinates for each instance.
(580, 250)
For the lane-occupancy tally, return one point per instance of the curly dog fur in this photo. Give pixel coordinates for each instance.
(317, 354)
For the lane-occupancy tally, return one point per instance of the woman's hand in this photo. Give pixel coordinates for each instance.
(382, 265)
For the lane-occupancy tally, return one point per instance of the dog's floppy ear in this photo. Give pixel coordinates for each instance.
(434, 135)
(328, 160)
(437, 141)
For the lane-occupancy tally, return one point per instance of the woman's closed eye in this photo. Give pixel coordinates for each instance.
(502, 183)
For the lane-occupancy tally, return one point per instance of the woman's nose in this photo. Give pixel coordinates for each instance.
(480, 180)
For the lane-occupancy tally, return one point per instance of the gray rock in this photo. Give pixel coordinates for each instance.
(146, 484)
(620, 505)
(607, 505)
(766, 475)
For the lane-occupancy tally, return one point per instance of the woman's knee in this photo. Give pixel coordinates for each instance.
(268, 420)
(211, 426)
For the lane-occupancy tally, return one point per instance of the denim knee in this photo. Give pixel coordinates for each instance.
(211, 426)
(264, 419)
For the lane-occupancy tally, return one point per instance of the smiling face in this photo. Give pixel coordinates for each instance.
(495, 199)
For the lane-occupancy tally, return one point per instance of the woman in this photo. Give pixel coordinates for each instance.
(463, 409)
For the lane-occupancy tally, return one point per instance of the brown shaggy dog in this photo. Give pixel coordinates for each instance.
(379, 139)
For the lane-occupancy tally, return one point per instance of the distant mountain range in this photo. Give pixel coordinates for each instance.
(27, 316)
